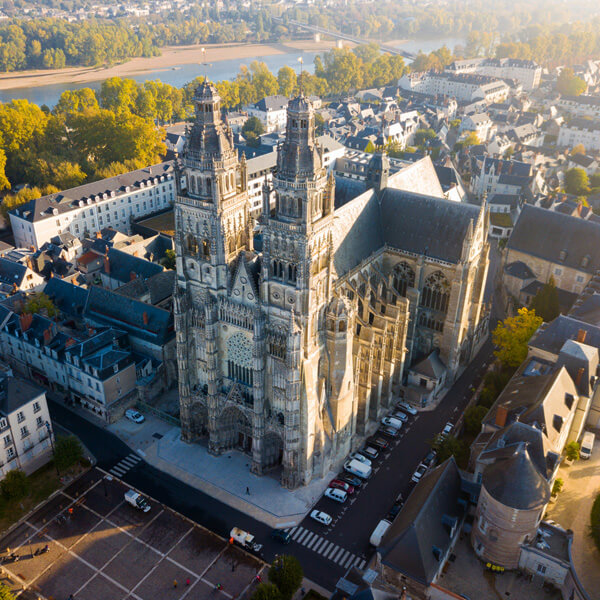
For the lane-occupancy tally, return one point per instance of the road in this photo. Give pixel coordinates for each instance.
(324, 553)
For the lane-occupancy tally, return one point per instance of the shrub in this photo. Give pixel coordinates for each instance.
(595, 522)
(67, 452)
(558, 486)
(286, 573)
(266, 591)
(15, 485)
(572, 451)
(473, 417)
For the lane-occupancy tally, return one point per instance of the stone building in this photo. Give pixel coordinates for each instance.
(290, 353)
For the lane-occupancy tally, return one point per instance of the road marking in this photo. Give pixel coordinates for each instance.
(315, 539)
(362, 563)
(349, 561)
(308, 538)
(322, 542)
(331, 552)
(298, 531)
(325, 548)
(130, 463)
(344, 557)
(299, 540)
(336, 555)
(291, 531)
(117, 471)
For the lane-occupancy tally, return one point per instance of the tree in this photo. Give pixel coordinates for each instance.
(511, 337)
(67, 452)
(572, 451)
(264, 82)
(422, 136)
(169, 261)
(577, 181)
(5, 593)
(118, 94)
(287, 80)
(76, 101)
(545, 302)
(266, 591)
(252, 130)
(569, 84)
(449, 445)
(557, 486)
(39, 302)
(473, 417)
(578, 149)
(286, 573)
(4, 182)
(15, 485)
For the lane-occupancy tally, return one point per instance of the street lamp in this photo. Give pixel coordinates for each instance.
(52, 444)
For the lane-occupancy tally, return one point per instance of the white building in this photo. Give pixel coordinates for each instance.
(83, 210)
(464, 87)
(580, 131)
(16, 272)
(481, 124)
(25, 426)
(271, 111)
(526, 72)
(581, 106)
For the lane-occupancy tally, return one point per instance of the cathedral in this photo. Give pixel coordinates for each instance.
(295, 333)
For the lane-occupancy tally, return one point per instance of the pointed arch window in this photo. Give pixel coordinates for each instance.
(403, 278)
(206, 249)
(191, 244)
(436, 292)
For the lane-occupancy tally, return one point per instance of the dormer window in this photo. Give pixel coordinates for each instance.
(562, 255)
(585, 261)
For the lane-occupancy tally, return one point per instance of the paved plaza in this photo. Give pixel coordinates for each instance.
(106, 549)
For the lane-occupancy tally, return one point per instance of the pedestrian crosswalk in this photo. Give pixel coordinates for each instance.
(130, 461)
(326, 548)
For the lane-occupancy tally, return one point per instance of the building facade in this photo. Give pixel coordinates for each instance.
(526, 72)
(291, 353)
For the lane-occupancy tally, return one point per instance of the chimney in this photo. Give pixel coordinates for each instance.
(98, 235)
(581, 335)
(26, 321)
(106, 265)
(580, 373)
(132, 275)
(47, 336)
(145, 319)
(501, 414)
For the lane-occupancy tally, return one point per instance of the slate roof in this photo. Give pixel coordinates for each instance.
(159, 287)
(587, 309)
(515, 481)
(11, 272)
(272, 103)
(16, 392)
(424, 225)
(431, 366)
(109, 308)
(512, 200)
(545, 234)
(122, 265)
(68, 298)
(565, 298)
(63, 202)
(552, 336)
(582, 160)
(407, 546)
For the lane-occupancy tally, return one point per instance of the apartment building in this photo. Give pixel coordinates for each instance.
(90, 207)
(271, 111)
(526, 72)
(25, 425)
(581, 106)
(579, 131)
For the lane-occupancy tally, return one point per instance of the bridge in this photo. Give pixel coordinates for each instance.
(346, 37)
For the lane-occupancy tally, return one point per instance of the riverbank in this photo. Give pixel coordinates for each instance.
(171, 57)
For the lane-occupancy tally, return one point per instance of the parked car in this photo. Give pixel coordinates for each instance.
(341, 485)
(391, 422)
(400, 415)
(407, 407)
(421, 470)
(369, 452)
(448, 427)
(379, 443)
(285, 537)
(386, 430)
(336, 495)
(355, 482)
(360, 458)
(321, 517)
(134, 415)
(430, 458)
(396, 508)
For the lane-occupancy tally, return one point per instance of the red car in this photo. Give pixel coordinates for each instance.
(342, 485)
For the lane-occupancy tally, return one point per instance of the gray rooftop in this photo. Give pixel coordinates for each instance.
(16, 392)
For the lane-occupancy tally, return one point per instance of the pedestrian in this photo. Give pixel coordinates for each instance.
(174, 583)
(247, 491)
(187, 581)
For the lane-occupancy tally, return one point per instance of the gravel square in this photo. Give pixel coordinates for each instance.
(245, 569)
(15, 538)
(164, 532)
(131, 518)
(83, 483)
(80, 522)
(197, 550)
(46, 513)
(100, 588)
(101, 545)
(159, 584)
(65, 576)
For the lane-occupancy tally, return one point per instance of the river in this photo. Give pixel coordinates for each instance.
(179, 75)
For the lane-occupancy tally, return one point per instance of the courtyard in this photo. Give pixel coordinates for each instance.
(101, 547)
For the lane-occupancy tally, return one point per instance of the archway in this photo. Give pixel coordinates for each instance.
(235, 430)
(273, 450)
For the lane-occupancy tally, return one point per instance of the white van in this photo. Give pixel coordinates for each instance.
(587, 445)
(357, 468)
(335, 494)
(379, 532)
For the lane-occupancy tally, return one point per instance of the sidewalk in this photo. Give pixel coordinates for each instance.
(225, 477)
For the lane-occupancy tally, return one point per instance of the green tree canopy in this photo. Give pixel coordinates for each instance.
(39, 302)
(15, 485)
(572, 451)
(545, 302)
(286, 573)
(473, 417)
(576, 181)
(5, 593)
(449, 445)
(569, 84)
(266, 591)
(287, 81)
(511, 337)
(252, 130)
(67, 451)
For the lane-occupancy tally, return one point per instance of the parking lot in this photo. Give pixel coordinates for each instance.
(100, 547)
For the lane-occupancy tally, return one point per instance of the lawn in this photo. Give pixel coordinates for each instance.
(43, 482)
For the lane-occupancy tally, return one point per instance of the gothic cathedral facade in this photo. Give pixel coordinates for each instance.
(291, 352)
